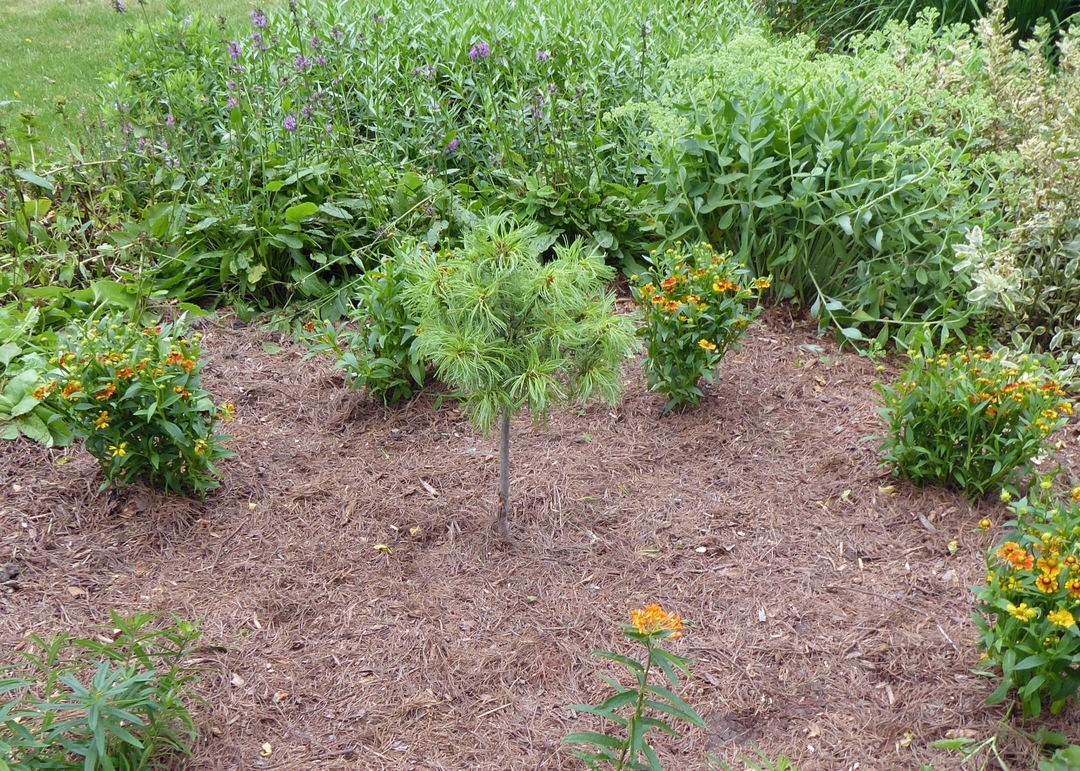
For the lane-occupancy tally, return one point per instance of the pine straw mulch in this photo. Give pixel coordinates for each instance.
(829, 622)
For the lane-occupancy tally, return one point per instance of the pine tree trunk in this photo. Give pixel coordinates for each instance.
(503, 521)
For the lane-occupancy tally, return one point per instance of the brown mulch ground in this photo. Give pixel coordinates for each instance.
(827, 619)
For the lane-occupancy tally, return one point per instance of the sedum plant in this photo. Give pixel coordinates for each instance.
(134, 398)
(1031, 602)
(969, 420)
(509, 331)
(694, 303)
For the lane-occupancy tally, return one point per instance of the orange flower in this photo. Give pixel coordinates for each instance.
(105, 393)
(174, 358)
(188, 365)
(654, 619)
(125, 374)
(1073, 585)
(152, 331)
(71, 389)
(669, 283)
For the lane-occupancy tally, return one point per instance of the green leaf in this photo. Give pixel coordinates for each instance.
(25, 405)
(629, 663)
(113, 293)
(591, 737)
(9, 351)
(692, 716)
(34, 428)
(950, 744)
(301, 211)
(255, 273)
(768, 201)
(619, 700)
(34, 179)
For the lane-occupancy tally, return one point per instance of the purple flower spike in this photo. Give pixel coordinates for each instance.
(170, 121)
(233, 104)
(320, 60)
(315, 41)
(119, 7)
(258, 18)
(289, 123)
(543, 56)
(234, 49)
(479, 51)
(452, 146)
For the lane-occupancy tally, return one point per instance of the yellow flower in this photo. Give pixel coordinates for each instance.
(1047, 583)
(102, 422)
(706, 345)
(200, 447)
(654, 619)
(118, 451)
(1006, 496)
(1062, 618)
(1023, 612)
(984, 524)
(762, 283)
(228, 410)
(1065, 408)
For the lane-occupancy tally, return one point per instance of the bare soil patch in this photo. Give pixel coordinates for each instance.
(827, 618)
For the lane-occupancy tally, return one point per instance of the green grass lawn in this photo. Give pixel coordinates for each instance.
(53, 49)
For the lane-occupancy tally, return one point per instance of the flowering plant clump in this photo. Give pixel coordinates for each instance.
(1032, 600)
(970, 419)
(694, 308)
(629, 750)
(133, 396)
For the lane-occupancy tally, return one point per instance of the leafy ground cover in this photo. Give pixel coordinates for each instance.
(367, 618)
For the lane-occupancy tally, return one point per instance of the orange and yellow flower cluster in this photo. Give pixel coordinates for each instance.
(1037, 575)
(655, 619)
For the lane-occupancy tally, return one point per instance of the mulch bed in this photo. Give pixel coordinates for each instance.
(826, 617)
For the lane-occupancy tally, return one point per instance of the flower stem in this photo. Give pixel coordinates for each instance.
(638, 710)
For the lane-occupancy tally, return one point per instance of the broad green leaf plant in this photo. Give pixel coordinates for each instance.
(507, 330)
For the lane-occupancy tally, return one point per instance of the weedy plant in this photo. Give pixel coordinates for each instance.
(1032, 601)
(379, 356)
(627, 748)
(694, 302)
(507, 330)
(971, 420)
(133, 396)
(117, 703)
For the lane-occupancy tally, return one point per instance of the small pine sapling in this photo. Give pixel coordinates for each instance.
(507, 330)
